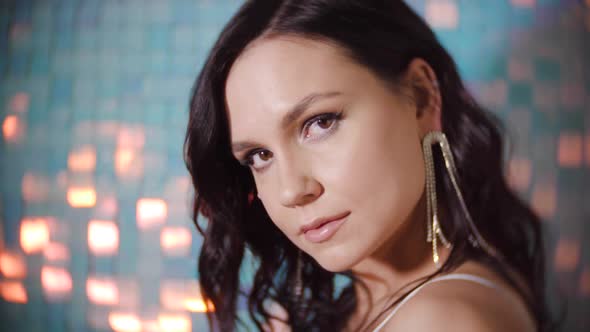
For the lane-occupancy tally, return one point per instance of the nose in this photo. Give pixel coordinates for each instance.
(297, 186)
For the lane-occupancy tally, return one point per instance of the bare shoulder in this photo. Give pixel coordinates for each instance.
(460, 305)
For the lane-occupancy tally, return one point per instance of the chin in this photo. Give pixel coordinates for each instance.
(334, 266)
(336, 263)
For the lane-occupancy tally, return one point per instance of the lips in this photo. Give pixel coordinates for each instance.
(321, 229)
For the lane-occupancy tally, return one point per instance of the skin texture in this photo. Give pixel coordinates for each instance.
(368, 163)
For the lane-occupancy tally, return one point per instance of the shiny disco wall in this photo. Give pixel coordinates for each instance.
(95, 233)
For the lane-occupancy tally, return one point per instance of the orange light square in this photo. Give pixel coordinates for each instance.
(56, 282)
(103, 237)
(83, 159)
(567, 255)
(124, 322)
(175, 241)
(442, 14)
(102, 291)
(81, 197)
(174, 322)
(544, 200)
(569, 150)
(12, 265)
(56, 252)
(151, 212)
(34, 234)
(13, 291)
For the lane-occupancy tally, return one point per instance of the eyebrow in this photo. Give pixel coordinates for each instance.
(291, 116)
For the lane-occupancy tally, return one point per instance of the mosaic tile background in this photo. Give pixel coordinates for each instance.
(95, 233)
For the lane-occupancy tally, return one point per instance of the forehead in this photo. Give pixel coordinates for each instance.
(273, 74)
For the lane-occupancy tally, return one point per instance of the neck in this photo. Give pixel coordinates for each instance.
(403, 259)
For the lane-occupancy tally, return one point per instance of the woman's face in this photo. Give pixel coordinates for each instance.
(325, 139)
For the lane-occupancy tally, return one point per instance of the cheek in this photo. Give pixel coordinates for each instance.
(380, 173)
(275, 211)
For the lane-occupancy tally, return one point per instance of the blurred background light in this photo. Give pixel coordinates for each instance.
(95, 228)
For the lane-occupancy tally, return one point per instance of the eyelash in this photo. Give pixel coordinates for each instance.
(247, 160)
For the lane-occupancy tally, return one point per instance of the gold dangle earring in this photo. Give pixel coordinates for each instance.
(433, 225)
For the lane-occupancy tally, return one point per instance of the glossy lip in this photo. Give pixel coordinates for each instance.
(318, 222)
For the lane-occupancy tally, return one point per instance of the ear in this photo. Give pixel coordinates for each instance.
(423, 83)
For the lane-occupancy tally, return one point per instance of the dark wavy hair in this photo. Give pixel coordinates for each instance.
(384, 36)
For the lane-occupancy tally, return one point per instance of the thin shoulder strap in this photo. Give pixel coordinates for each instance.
(455, 276)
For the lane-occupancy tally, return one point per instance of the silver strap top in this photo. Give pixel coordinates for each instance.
(455, 276)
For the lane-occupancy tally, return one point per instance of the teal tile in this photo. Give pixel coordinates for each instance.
(520, 94)
(61, 91)
(546, 69)
(158, 37)
(64, 38)
(87, 38)
(18, 66)
(40, 65)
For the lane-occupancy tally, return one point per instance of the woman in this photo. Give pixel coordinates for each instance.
(335, 138)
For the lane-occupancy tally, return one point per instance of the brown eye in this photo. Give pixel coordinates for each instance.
(265, 155)
(255, 158)
(321, 125)
(325, 123)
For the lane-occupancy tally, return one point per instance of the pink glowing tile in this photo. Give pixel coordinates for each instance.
(150, 325)
(81, 197)
(498, 93)
(519, 173)
(97, 317)
(567, 255)
(61, 180)
(151, 212)
(12, 265)
(56, 252)
(174, 322)
(584, 284)
(129, 294)
(102, 291)
(176, 241)
(20, 31)
(572, 94)
(19, 103)
(198, 305)
(107, 206)
(103, 237)
(35, 187)
(82, 159)
(524, 3)
(183, 295)
(131, 137)
(545, 95)
(519, 71)
(13, 291)
(13, 129)
(56, 282)
(124, 322)
(569, 150)
(544, 199)
(128, 163)
(442, 14)
(177, 187)
(34, 234)
(107, 130)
